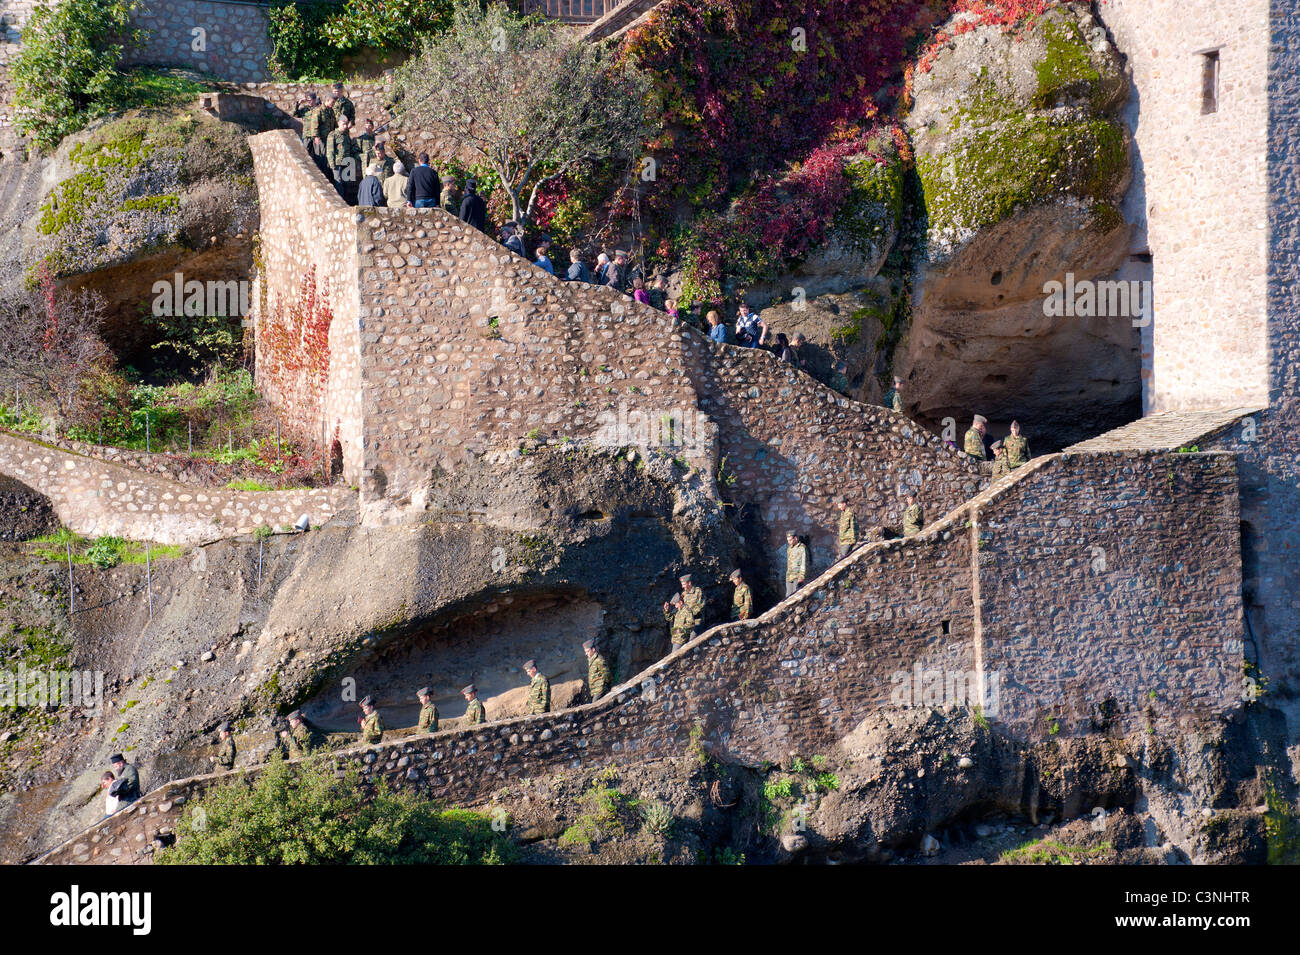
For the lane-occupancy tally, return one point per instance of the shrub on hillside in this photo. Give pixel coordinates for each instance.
(303, 815)
(66, 71)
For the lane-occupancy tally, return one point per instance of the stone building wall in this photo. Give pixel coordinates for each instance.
(222, 38)
(1200, 197)
(806, 673)
(96, 498)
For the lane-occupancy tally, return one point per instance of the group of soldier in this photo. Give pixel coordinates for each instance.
(302, 738)
(684, 612)
(327, 133)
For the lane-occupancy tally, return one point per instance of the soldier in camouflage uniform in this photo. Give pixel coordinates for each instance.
(894, 397)
(475, 715)
(342, 105)
(384, 160)
(742, 601)
(913, 518)
(301, 738)
(344, 159)
(681, 622)
(225, 757)
(848, 530)
(1017, 448)
(428, 722)
(372, 724)
(598, 676)
(539, 690)
(450, 198)
(365, 142)
(796, 564)
(1000, 469)
(974, 442)
(317, 123)
(692, 600)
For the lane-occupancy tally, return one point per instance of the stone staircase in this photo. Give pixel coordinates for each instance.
(972, 593)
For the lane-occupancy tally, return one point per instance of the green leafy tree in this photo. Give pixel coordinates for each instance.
(66, 72)
(298, 48)
(388, 25)
(304, 815)
(530, 97)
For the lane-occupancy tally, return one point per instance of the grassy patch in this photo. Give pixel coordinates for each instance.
(101, 552)
(1050, 852)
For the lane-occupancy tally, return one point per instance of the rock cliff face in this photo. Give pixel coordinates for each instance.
(134, 200)
(1021, 163)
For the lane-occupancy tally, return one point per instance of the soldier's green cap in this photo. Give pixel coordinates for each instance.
(470, 690)
(367, 700)
(677, 598)
(530, 664)
(423, 691)
(735, 575)
(589, 644)
(224, 727)
(117, 758)
(996, 445)
(685, 578)
(295, 715)
(980, 419)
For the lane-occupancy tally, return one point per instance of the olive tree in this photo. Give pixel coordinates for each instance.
(529, 97)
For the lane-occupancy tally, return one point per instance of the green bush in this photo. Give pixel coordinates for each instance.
(305, 816)
(308, 41)
(298, 49)
(387, 25)
(66, 72)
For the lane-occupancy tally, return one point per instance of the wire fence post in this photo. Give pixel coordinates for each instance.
(148, 576)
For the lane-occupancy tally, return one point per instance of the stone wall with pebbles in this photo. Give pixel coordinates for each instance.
(97, 498)
(898, 623)
(221, 38)
(306, 296)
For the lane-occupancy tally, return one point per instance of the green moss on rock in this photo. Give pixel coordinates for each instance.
(1067, 71)
(985, 177)
(873, 210)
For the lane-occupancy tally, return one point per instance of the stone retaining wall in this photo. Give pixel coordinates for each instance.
(96, 498)
(222, 38)
(976, 594)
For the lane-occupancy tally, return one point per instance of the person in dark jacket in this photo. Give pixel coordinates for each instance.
(371, 190)
(423, 189)
(511, 240)
(578, 268)
(473, 210)
(618, 274)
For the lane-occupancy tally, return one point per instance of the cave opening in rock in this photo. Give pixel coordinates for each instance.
(485, 646)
